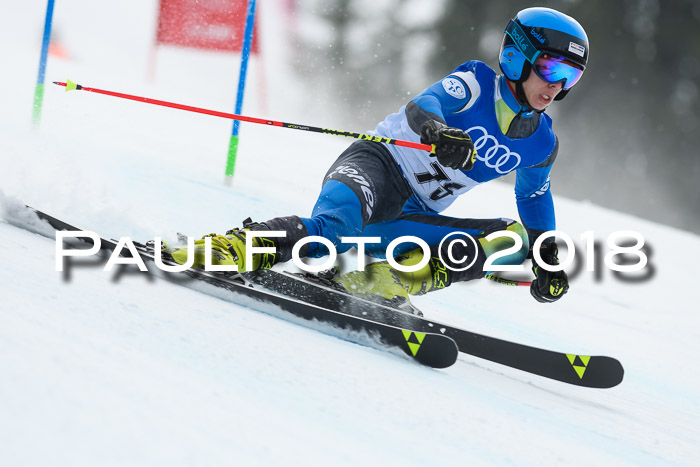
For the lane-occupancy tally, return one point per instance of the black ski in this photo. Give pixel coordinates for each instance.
(580, 370)
(426, 347)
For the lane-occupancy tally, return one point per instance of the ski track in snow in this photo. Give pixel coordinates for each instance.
(98, 369)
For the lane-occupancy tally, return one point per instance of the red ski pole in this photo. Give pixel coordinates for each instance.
(504, 281)
(71, 86)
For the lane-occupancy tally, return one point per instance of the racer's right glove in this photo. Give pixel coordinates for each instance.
(453, 147)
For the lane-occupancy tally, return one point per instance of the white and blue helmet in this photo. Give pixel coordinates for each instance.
(543, 32)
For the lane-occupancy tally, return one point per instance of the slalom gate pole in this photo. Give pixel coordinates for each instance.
(245, 55)
(503, 281)
(71, 86)
(39, 88)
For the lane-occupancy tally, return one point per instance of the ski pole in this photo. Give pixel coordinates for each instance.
(503, 281)
(71, 86)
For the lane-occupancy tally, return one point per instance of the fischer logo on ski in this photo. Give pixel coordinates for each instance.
(414, 340)
(579, 362)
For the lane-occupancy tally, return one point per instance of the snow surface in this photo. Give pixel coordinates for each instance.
(121, 369)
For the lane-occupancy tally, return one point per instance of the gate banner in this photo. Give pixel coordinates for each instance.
(204, 24)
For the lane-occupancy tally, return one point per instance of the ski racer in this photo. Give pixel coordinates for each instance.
(483, 126)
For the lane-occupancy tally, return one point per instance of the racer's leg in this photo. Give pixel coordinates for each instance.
(451, 253)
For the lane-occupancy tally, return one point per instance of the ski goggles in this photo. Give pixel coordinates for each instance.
(555, 69)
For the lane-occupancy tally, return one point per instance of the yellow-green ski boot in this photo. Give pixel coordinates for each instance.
(227, 250)
(382, 283)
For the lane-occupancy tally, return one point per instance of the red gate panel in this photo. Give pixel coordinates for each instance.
(204, 24)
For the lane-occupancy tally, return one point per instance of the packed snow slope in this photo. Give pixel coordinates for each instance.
(120, 369)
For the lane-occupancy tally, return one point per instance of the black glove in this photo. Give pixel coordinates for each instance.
(548, 286)
(453, 147)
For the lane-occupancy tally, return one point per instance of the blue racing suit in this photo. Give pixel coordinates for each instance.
(375, 189)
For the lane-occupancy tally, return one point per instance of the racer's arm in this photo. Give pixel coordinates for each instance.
(534, 197)
(435, 102)
(536, 208)
(425, 115)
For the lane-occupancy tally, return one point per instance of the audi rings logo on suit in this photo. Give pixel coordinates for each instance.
(502, 154)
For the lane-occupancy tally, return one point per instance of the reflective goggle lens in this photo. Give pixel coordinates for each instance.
(555, 69)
